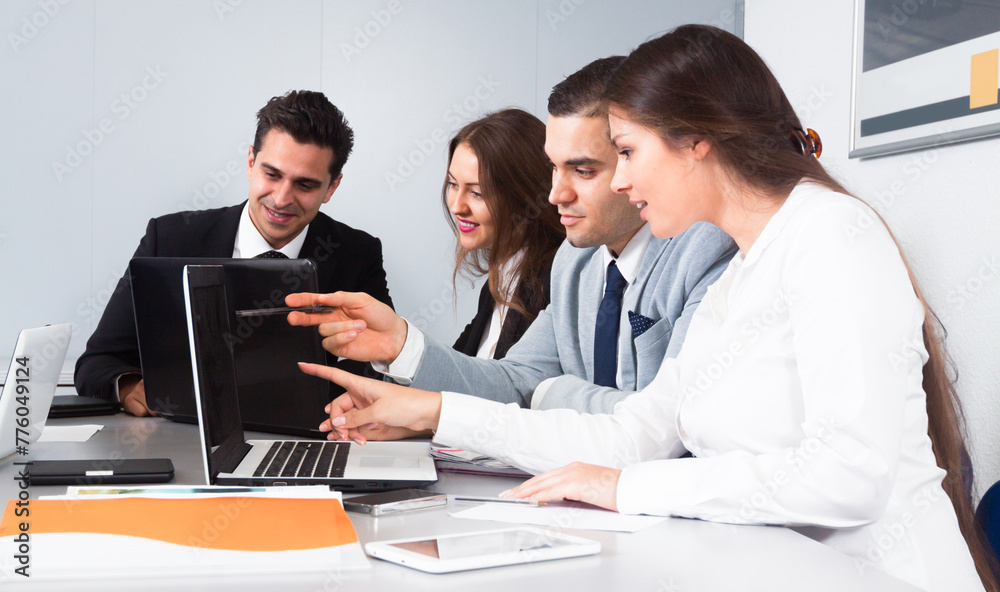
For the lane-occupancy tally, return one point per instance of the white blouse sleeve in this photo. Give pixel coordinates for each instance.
(856, 336)
(642, 428)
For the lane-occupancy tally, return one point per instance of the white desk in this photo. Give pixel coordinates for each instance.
(675, 556)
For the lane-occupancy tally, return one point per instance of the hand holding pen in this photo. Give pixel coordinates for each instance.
(263, 312)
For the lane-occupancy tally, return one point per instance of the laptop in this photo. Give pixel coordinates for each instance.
(274, 395)
(30, 385)
(230, 459)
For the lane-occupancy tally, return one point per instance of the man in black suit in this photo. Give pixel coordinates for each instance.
(294, 166)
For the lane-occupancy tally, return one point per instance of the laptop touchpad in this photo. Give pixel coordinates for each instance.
(381, 462)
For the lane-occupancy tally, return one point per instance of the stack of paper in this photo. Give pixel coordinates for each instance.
(178, 531)
(560, 515)
(457, 460)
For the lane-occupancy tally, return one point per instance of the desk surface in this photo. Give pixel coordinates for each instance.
(674, 556)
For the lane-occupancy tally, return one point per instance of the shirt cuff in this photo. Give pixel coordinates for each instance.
(540, 391)
(654, 487)
(461, 417)
(117, 384)
(404, 367)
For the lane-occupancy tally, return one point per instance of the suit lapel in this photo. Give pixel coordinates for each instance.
(626, 344)
(653, 251)
(590, 302)
(221, 238)
(514, 326)
(321, 245)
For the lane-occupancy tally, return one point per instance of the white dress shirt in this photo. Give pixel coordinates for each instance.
(798, 390)
(491, 336)
(249, 242)
(404, 367)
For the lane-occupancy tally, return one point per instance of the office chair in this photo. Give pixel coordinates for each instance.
(988, 516)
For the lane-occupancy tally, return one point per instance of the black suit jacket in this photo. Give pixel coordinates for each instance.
(514, 323)
(346, 259)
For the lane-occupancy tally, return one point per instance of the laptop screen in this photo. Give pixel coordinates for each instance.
(274, 396)
(215, 369)
(29, 386)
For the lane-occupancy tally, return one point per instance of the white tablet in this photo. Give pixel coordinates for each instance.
(476, 550)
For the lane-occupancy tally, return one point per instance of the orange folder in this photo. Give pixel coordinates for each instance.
(224, 523)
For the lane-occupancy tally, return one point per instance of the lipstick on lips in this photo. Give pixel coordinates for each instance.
(466, 225)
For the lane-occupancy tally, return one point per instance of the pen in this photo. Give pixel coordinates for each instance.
(260, 312)
(497, 500)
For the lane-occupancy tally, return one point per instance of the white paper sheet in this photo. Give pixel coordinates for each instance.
(196, 491)
(78, 433)
(562, 515)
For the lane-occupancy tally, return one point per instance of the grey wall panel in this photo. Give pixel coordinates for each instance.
(408, 75)
(181, 83)
(47, 154)
(573, 33)
(176, 84)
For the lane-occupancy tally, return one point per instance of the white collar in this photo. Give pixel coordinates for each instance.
(631, 256)
(249, 243)
(799, 194)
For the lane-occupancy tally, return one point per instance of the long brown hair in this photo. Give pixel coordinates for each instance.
(701, 83)
(515, 179)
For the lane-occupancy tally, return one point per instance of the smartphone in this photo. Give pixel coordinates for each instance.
(93, 472)
(394, 502)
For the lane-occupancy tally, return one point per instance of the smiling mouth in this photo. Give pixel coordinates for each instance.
(638, 204)
(466, 226)
(278, 217)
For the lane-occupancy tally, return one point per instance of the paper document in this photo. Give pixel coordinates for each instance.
(561, 515)
(197, 491)
(163, 533)
(464, 461)
(77, 433)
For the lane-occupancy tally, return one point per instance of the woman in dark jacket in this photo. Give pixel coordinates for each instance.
(496, 195)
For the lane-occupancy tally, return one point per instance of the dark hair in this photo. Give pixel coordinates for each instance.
(309, 118)
(701, 83)
(515, 179)
(581, 94)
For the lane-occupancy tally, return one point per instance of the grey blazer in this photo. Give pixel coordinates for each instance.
(671, 281)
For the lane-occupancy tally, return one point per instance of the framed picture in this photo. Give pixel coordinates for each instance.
(925, 73)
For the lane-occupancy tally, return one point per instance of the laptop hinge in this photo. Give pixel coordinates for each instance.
(229, 455)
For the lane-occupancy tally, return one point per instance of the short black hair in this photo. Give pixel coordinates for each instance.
(310, 118)
(581, 94)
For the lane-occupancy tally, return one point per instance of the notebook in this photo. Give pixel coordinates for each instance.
(30, 385)
(179, 539)
(80, 406)
(274, 395)
(230, 459)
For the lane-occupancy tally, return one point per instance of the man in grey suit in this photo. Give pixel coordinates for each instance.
(577, 340)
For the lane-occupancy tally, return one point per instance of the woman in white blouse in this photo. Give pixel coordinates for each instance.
(804, 384)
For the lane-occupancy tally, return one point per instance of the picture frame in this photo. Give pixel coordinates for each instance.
(925, 73)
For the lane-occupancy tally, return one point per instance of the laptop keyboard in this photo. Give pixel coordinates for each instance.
(304, 459)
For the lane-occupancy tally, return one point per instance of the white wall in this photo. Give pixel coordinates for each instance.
(115, 111)
(945, 207)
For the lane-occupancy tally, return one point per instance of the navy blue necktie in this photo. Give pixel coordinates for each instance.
(606, 330)
(272, 254)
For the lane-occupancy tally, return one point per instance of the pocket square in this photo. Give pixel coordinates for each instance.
(640, 324)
